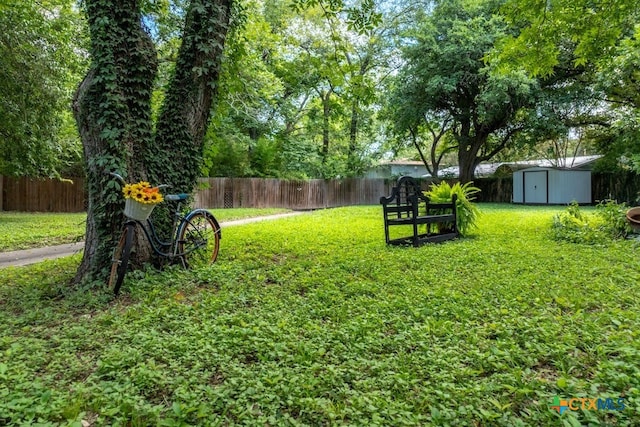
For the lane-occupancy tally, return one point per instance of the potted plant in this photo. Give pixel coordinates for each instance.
(467, 212)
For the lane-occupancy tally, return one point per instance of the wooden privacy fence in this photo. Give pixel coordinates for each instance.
(621, 186)
(31, 195)
(42, 195)
(34, 195)
(277, 193)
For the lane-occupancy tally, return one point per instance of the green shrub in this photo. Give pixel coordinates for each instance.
(608, 222)
(467, 212)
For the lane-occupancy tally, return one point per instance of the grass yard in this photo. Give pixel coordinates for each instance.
(24, 230)
(312, 320)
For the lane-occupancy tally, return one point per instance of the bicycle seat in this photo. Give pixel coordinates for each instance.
(176, 197)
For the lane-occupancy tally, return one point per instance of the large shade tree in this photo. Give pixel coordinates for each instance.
(446, 82)
(113, 110)
(596, 27)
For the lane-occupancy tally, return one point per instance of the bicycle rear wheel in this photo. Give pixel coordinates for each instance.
(199, 239)
(120, 259)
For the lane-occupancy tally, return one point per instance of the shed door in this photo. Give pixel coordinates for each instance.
(535, 187)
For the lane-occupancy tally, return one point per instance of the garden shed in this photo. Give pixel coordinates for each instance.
(551, 186)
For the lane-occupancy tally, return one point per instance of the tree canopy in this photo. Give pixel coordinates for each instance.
(602, 35)
(303, 83)
(596, 29)
(446, 82)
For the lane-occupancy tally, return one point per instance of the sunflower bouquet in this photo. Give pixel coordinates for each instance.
(140, 199)
(142, 192)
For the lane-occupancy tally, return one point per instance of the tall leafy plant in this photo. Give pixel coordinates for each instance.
(467, 212)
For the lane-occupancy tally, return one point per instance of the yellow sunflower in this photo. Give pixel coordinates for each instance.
(127, 191)
(142, 192)
(155, 198)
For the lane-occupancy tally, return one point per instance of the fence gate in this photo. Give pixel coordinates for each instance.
(228, 193)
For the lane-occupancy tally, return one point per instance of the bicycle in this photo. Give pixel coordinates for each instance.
(195, 239)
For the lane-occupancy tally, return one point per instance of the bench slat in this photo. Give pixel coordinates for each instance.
(404, 208)
(429, 219)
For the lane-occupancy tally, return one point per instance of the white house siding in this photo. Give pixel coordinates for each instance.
(412, 169)
(378, 172)
(415, 171)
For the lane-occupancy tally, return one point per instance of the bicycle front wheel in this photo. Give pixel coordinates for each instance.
(199, 239)
(120, 260)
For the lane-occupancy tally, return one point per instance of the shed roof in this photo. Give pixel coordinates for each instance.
(550, 168)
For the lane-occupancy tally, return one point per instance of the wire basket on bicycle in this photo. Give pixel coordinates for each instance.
(140, 199)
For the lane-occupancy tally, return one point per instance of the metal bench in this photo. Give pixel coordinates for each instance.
(407, 205)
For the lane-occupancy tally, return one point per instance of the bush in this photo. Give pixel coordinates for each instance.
(607, 223)
(467, 212)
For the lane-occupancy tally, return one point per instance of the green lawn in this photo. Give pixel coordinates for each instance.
(22, 230)
(312, 320)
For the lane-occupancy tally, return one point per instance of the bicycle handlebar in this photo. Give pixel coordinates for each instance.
(118, 177)
(176, 197)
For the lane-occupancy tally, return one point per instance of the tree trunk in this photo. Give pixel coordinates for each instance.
(186, 111)
(326, 112)
(470, 140)
(468, 157)
(112, 107)
(467, 165)
(414, 138)
(353, 167)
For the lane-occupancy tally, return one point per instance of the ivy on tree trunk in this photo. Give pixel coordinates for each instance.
(112, 107)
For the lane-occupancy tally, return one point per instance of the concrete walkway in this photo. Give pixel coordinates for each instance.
(31, 256)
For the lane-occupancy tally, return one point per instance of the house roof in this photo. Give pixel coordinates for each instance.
(404, 162)
(487, 169)
(566, 162)
(547, 168)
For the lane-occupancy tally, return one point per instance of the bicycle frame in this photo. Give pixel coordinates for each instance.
(157, 244)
